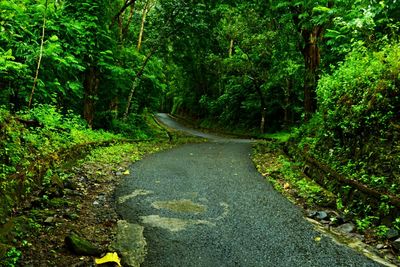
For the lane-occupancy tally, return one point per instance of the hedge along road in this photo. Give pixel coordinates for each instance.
(206, 205)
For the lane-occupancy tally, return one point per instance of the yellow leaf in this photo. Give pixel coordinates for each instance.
(317, 239)
(286, 186)
(126, 172)
(109, 257)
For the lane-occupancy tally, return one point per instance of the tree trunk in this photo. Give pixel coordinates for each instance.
(287, 91)
(126, 28)
(263, 107)
(122, 10)
(91, 85)
(262, 124)
(35, 79)
(146, 9)
(135, 82)
(311, 55)
(231, 47)
(114, 107)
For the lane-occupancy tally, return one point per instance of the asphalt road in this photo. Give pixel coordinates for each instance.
(206, 205)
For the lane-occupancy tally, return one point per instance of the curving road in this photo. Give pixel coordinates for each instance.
(206, 205)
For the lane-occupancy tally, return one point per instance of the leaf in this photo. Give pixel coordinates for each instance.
(126, 172)
(317, 239)
(321, 9)
(286, 186)
(54, 38)
(109, 257)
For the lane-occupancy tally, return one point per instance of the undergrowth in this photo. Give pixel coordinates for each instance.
(287, 177)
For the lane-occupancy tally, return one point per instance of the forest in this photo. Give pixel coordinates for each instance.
(323, 75)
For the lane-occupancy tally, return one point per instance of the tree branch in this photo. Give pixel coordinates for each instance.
(122, 10)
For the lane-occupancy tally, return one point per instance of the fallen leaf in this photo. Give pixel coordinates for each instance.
(109, 257)
(317, 239)
(286, 186)
(126, 172)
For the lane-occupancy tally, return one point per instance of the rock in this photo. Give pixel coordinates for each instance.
(396, 244)
(49, 220)
(321, 215)
(392, 233)
(130, 243)
(81, 246)
(346, 228)
(380, 246)
(311, 214)
(71, 216)
(95, 203)
(118, 173)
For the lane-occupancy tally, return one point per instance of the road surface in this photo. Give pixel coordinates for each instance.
(206, 205)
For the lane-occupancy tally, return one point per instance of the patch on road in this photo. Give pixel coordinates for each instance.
(139, 192)
(172, 224)
(182, 205)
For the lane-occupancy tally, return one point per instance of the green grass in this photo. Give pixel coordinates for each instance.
(282, 136)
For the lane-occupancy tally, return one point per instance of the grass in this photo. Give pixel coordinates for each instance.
(282, 136)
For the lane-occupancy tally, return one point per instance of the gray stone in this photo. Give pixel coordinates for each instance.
(380, 246)
(130, 243)
(118, 173)
(321, 215)
(396, 244)
(311, 214)
(346, 228)
(392, 233)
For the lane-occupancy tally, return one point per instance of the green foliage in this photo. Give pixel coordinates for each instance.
(381, 231)
(355, 129)
(366, 223)
(11, 258)
(28, 151)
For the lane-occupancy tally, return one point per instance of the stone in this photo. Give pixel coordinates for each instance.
(396, 244)
(392, 233)
(118, 173)
(321, 215)
(311, 214)
(95, 203)
(380, 246)
(346, 228)
(49, 220)
(81, 246)
(130, 243)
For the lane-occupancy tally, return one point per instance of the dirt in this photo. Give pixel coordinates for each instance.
(84, 204)
(88, 210)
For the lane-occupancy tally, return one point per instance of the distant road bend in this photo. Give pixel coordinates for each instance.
(206, 205)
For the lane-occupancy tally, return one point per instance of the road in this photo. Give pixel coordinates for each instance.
(206, 205)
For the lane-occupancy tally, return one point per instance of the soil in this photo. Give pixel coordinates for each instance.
(87, 209)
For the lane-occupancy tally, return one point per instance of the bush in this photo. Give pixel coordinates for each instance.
(31, 142)
(356, 128)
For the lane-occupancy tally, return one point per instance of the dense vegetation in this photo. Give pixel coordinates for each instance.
(327, 71)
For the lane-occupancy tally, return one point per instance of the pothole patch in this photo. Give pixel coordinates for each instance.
(172, 224)
(182, 205)
(136, 193)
